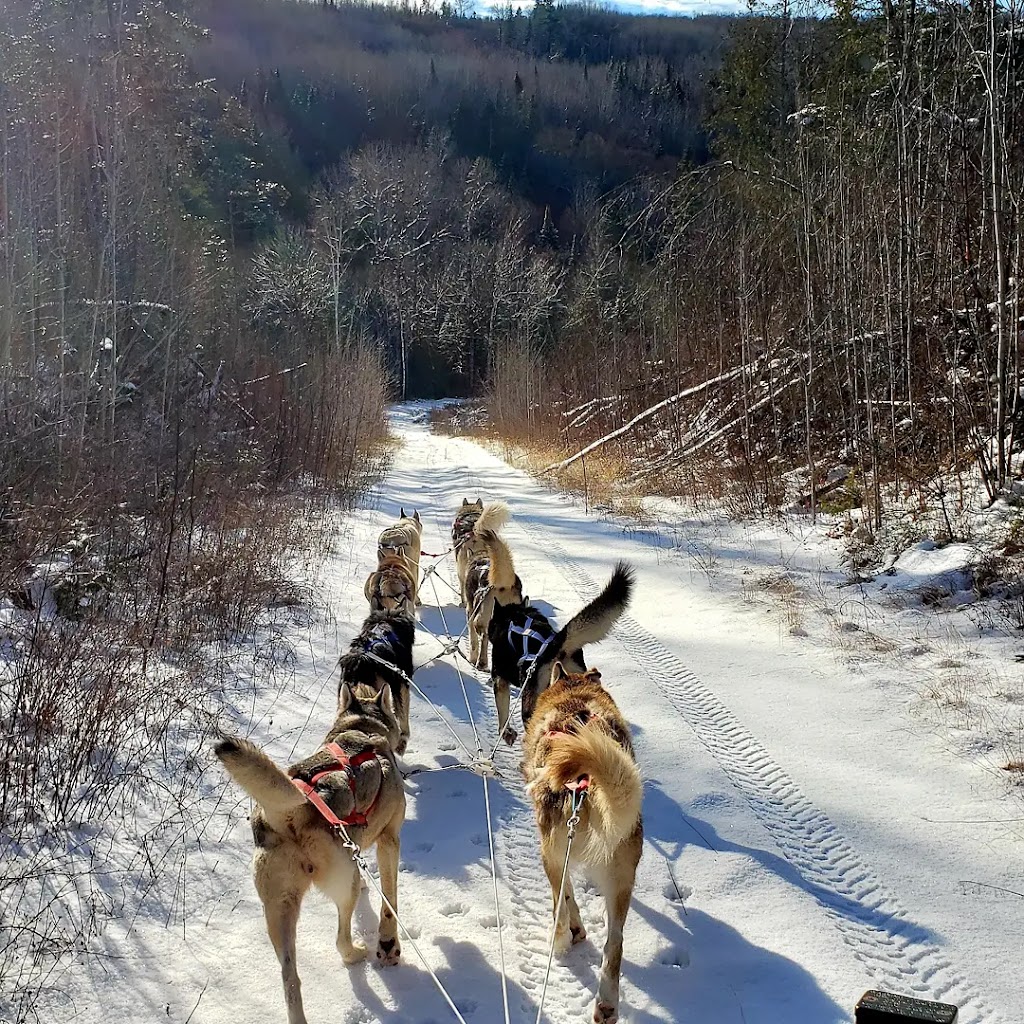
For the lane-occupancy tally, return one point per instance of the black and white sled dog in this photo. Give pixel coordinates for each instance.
(385, 641)
(490, 579)
(525, 644)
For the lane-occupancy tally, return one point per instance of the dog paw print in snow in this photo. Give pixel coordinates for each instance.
(677, 893)
(674, 957)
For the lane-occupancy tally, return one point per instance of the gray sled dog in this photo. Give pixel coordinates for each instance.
(355, 778)
(403, 540)
(390, 587)
(577, 736)
(472, 521)
(491, 579)
(463, 542)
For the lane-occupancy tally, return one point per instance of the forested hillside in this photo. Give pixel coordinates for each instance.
(450, 169)
(820, 215)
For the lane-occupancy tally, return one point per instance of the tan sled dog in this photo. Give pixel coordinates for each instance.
(391, 588)
(354, 774)
(577, 733)
(403, 541)
(491, 579)
(472, 523)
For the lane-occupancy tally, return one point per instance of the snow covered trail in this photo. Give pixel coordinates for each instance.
(792, 858)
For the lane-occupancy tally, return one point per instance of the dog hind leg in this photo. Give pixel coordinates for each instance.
(343, 887)
(401, 695)
(389, 948)
(281, 910)
(482, 620)
(619, 892)
(552, 854)
(475, 639)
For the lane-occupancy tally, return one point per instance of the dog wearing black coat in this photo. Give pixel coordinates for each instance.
(386, 637)
(525, 644)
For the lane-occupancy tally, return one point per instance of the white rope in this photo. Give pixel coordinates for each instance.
(497, 904)
(449, 645)
(574, 820)
(431, 570)
(487, 808)
(462, 679)
(478, 766)
(437, 711)
(361, 865)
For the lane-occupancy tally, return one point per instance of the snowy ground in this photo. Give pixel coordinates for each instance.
(810, 832)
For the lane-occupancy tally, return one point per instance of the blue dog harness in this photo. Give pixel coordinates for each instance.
(382, 642)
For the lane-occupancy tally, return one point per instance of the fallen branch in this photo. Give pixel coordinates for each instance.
(676, 458)
(646, 414)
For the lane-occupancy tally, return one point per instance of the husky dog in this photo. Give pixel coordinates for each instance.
(402, 540)
(472, 521)
(577, 733)
(525, 644)
(462, 540)
(491, 579)
(358, 781)
(385, 637)
(391, 588)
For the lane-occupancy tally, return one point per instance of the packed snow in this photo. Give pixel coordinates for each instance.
(811, 831)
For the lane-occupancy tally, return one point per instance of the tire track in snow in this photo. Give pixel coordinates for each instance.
(894, 951)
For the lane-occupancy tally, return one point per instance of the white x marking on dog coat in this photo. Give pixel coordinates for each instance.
(534, 643)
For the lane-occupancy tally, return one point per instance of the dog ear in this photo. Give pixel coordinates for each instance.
(345, 697)
(594, 675)
(465, 502)
(385, 699)
(401, 512)
(558, 672)
(416, 514)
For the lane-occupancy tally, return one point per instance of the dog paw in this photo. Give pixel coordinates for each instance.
(579, 933)
(389, 952)
(509, 735)
(354, 953)
(605, 1013)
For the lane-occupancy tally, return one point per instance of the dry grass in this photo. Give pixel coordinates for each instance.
(790, 597)
(612, 479)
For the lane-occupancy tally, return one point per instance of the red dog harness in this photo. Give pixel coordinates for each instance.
(342, 763)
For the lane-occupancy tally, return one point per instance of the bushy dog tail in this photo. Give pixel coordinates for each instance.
(260, 777)
(494, 516)
(615, 792)
(595, 621)
(501, 572)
